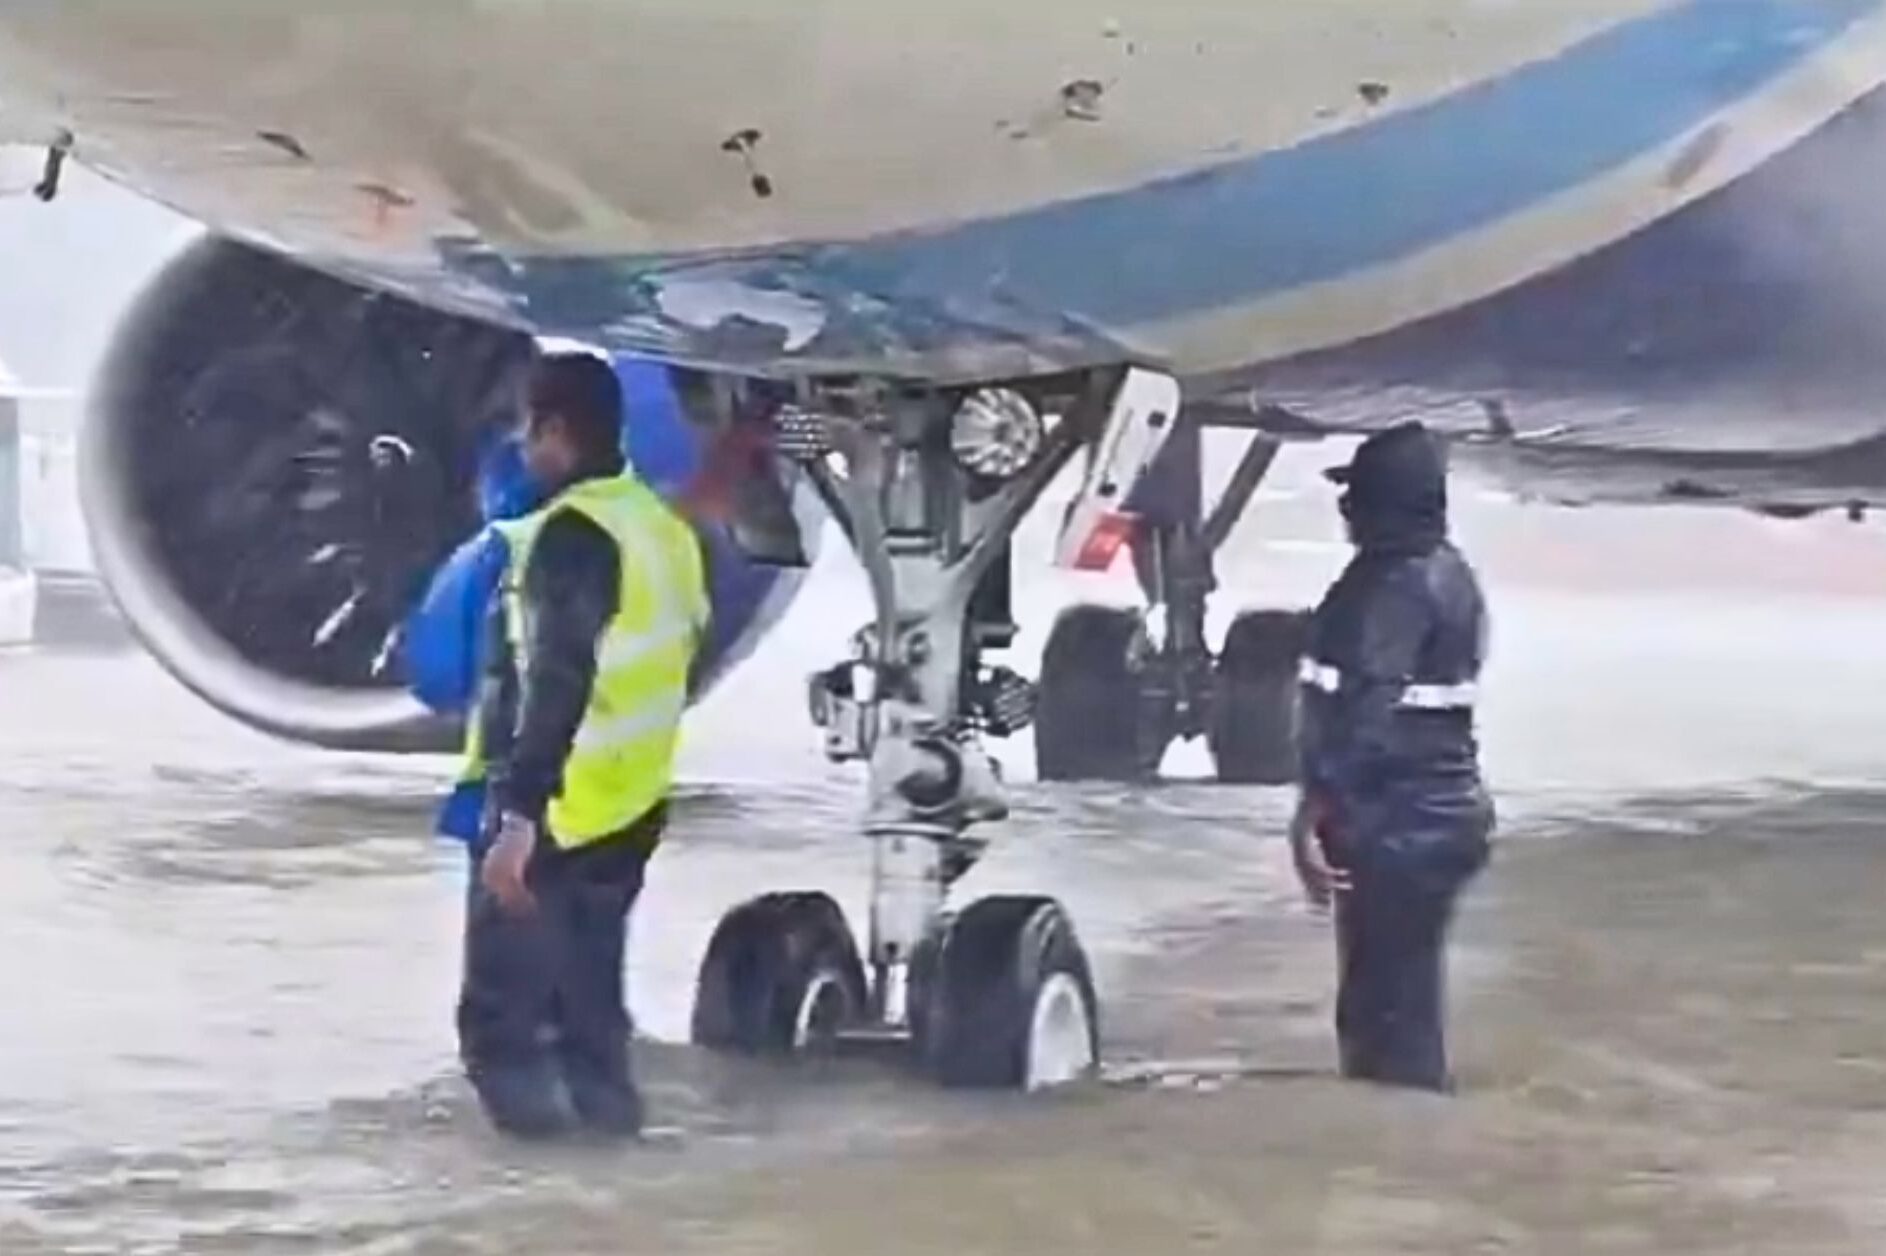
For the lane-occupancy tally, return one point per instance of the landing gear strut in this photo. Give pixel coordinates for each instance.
(928, 487)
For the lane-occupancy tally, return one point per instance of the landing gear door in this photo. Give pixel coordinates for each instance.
(1142, 416)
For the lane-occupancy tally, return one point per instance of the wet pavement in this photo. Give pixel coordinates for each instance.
(225, 1003)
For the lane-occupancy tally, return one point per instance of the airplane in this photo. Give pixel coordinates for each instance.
(909, 262)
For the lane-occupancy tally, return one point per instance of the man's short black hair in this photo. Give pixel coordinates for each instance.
(582, 390)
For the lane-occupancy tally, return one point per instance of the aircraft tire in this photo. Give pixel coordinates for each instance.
(781, 976)
(1253, 731)
(1007, 999)
(1088, 700)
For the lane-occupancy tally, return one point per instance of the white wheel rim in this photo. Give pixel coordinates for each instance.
(815, 1023)
(1060, 1034)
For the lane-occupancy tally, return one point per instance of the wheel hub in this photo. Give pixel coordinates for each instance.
(822, 1014)
(1060, 1034)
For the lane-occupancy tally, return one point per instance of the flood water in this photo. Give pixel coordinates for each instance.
(225, 1002)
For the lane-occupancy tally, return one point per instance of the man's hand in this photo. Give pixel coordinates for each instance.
(504, 865)
(1321, 879)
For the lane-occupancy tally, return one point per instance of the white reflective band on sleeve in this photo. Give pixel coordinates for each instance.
(1319, 676)
(609, 734)
(1327, 679)
(1440, 697)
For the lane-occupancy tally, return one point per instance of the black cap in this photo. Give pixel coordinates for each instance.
(1407, 455)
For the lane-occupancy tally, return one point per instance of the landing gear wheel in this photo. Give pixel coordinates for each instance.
(1253, 733)
(1007, 999)
(1087, 717)
(781, 976)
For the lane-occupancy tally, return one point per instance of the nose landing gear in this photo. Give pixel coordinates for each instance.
(928, 486)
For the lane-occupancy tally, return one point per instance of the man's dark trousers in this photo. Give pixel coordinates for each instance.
(1392, 929)
(542, 1021)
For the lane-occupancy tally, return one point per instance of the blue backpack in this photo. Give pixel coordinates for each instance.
(440, 648)
(441, 641)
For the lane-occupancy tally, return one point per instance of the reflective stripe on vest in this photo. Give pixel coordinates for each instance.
(1456, 697)
(621, 761)
(603, 734)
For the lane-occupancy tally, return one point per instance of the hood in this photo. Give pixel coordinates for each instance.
(1395, 491)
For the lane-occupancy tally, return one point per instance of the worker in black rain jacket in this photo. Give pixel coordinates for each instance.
(1394, 820)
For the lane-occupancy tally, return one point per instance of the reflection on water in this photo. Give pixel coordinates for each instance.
(1669, 1031)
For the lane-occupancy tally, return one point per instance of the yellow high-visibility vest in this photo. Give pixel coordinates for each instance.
(621, 762)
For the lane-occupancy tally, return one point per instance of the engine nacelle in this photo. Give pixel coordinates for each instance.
(274, 463)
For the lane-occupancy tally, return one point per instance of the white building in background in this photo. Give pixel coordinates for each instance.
(52, 530)
(18, 586)
(71, 267)
(43, 542)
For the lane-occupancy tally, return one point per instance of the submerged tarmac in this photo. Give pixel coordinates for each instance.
(231, 964)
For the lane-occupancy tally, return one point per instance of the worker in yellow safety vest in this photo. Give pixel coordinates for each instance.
(601, 608)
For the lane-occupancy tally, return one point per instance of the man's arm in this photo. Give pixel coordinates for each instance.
(571, 588)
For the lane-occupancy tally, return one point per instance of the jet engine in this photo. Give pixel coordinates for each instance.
(274, 462)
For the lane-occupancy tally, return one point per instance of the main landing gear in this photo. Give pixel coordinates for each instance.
(1121, 684)
(928, 487)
